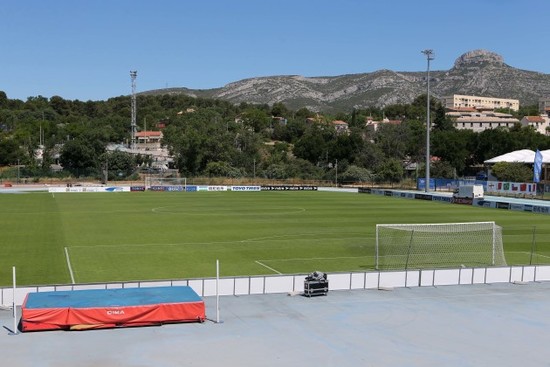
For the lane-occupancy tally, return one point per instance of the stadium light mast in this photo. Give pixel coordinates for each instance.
(429, 57)
(133, 76)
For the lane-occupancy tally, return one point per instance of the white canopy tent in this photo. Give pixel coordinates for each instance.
(525, 156)
(521, 156)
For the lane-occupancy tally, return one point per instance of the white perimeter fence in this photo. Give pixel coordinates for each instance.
(295, 283)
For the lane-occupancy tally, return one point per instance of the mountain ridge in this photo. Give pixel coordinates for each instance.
(477, 72)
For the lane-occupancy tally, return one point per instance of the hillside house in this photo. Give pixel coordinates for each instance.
(149, 140)
(373, 125)
(539, 123)
(340, 126)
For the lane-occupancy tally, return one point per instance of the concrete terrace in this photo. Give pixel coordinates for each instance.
(475, 325)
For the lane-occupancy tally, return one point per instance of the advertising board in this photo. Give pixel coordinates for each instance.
(89, 189)
(289, 188)
(245, 188)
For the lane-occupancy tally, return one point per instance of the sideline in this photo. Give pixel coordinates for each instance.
(69, 265)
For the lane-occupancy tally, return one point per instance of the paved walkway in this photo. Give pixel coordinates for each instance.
(474, 325)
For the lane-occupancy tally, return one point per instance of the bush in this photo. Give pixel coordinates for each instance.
(390, 171)
(514, 172)
(222, 169)
(442, 169)
(356, 174)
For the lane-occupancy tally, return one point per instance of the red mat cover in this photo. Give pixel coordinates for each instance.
(95, 309)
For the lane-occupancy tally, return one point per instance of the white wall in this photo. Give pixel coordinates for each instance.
(295, 283)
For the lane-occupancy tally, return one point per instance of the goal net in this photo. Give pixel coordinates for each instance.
(441, 245)
(165, 182)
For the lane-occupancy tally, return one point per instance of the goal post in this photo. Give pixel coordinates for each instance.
(438, 245)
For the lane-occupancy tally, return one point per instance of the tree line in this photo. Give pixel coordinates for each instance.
(216, 138)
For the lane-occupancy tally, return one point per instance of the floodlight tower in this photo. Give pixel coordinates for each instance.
(133, 76)
(429, 57)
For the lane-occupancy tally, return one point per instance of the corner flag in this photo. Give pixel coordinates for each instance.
(537, 167)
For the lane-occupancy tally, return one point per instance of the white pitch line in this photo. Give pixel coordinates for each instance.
(270, 268)
(538, 255)
(319, 258)
(528, 253)
(69, 265)
(246, 240)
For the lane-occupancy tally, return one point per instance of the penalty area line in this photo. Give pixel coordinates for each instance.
(528, 253)
(69, 265)
(268, 267)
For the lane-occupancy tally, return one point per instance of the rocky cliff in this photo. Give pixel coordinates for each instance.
(476, 72)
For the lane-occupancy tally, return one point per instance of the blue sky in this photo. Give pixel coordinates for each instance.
(85, 50)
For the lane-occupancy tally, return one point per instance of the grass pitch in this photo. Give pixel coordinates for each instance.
(101, 237)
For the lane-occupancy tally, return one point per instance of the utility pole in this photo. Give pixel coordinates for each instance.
(429, 57)
(133, 76)
(336, 166)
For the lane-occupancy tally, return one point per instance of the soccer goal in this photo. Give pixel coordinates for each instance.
(438, 245)
(165, 182)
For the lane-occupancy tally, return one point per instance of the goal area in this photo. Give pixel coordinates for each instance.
(438, 245)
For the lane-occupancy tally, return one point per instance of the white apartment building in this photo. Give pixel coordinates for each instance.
(458, 101)
(480, 121)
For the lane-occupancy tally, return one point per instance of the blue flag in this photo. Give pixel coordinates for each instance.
(537, 167)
